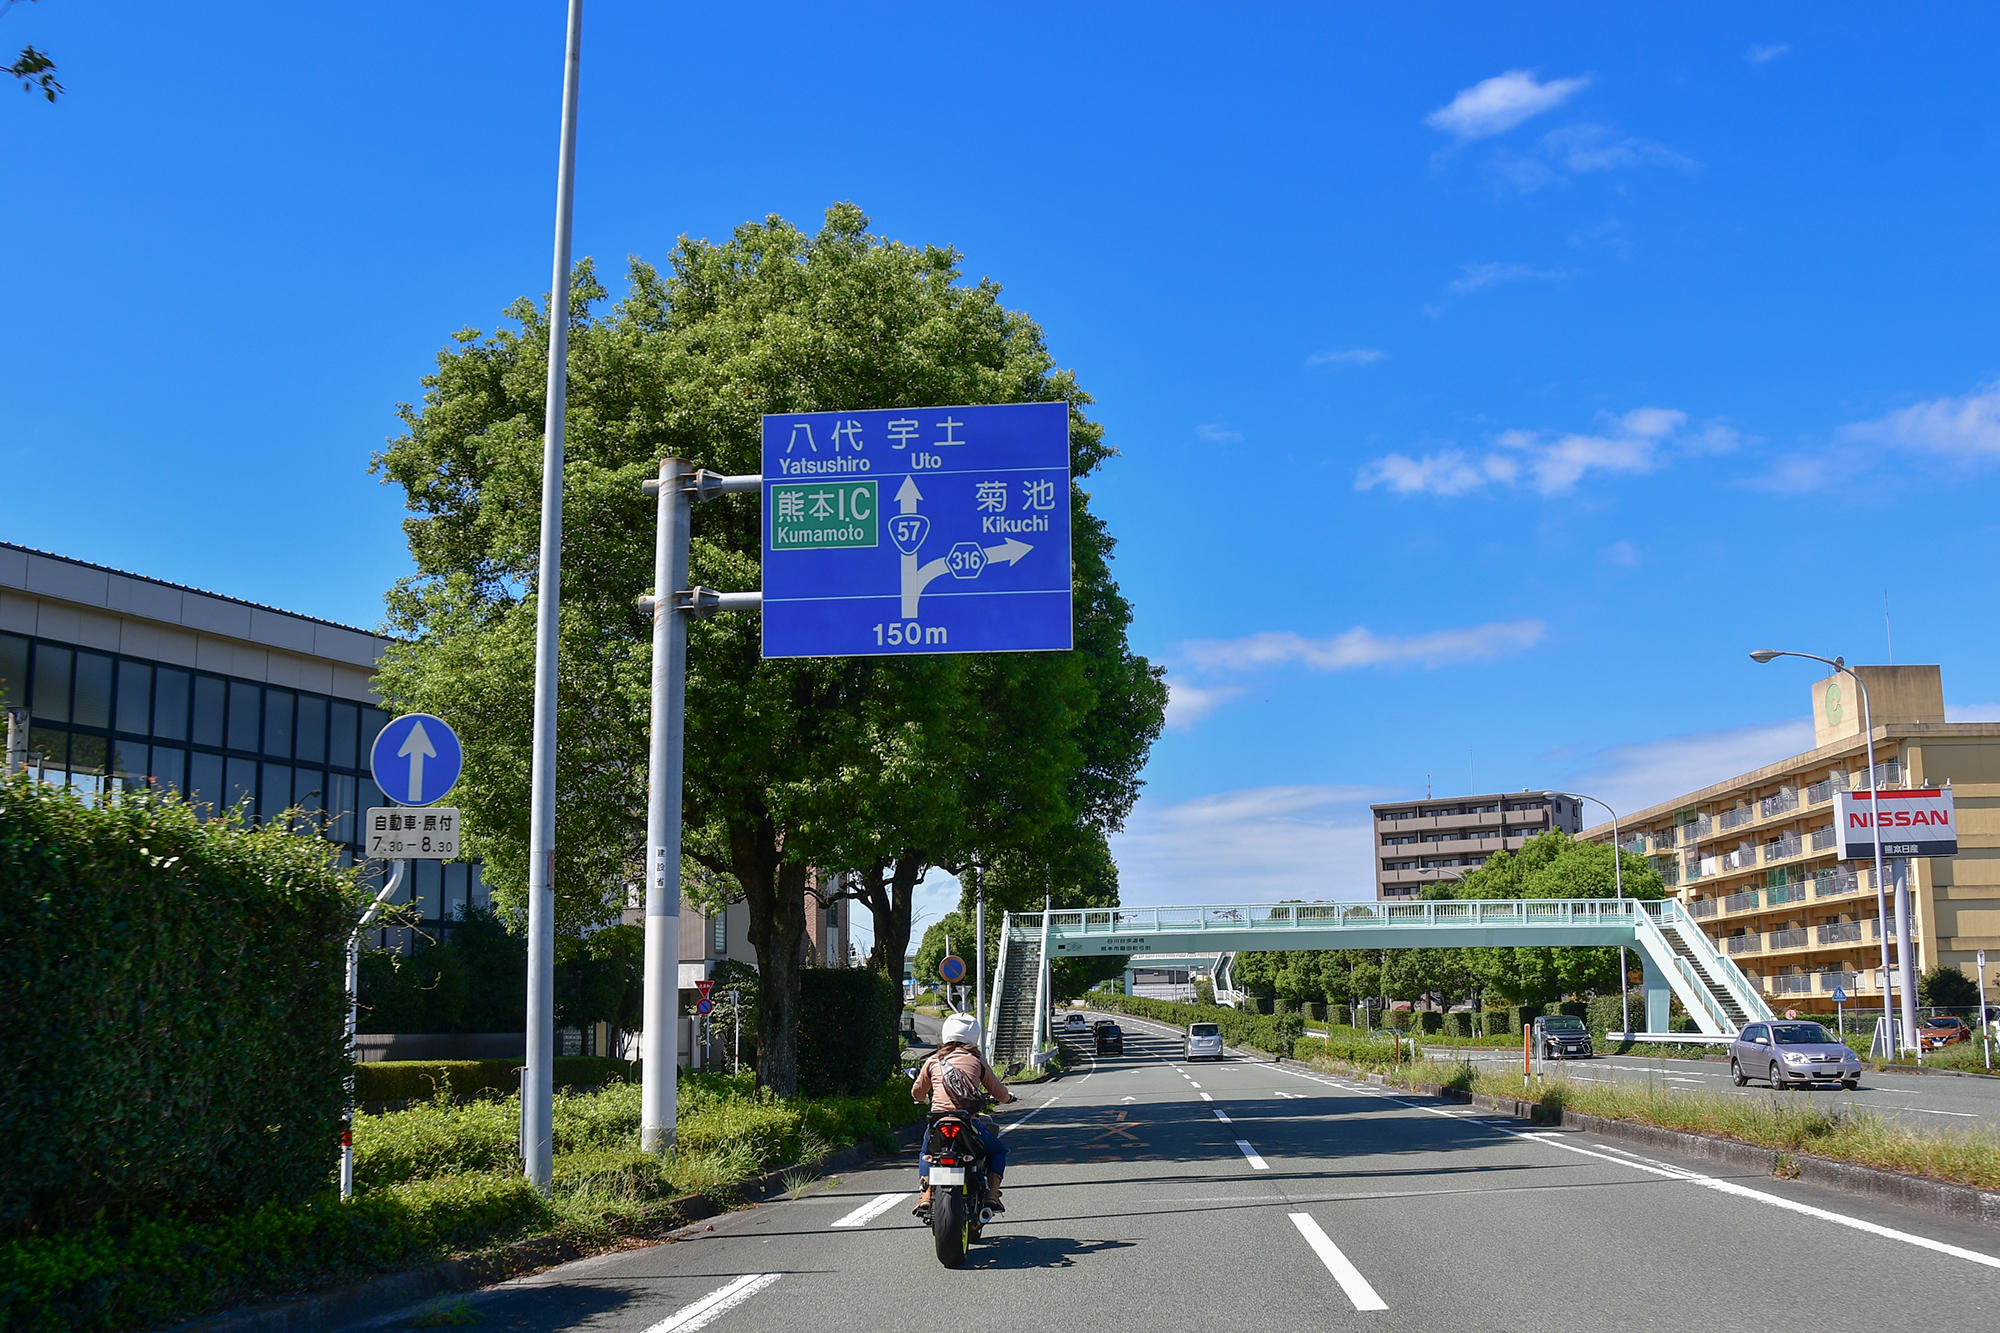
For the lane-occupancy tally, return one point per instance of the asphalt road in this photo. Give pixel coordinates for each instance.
(1929, 1102)
(1147, 1194)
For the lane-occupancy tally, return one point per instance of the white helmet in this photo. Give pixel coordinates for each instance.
(961, 1028)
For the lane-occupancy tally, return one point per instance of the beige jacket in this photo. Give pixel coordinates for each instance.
(953, 1078)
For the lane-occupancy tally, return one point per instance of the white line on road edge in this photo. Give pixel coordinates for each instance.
(704, 1311)
(1205, 1097)
(1638, 1163)
(1011, 1124)
(1346, 1274)
(1256, 1163)
(871, 1210)
(1219, 1115)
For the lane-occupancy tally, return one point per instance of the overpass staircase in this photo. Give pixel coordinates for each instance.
(1011, 1027)
(1711, 988)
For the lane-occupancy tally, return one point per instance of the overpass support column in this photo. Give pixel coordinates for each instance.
(1128, 981)
(1659, 994)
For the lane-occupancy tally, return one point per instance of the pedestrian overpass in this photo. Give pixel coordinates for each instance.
(1678, 961)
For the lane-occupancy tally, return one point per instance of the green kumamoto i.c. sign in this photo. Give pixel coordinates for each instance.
(824, 515)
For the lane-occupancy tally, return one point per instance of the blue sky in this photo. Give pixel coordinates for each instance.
(1486, 384)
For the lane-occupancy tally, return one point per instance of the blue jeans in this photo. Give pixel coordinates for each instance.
(989, 1136)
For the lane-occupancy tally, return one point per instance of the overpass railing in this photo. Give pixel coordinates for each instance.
(1332, 917)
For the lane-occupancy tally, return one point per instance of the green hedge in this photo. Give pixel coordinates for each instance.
(1258, 1031)
(847, 1030)
(1351, 1045)
(425, 1080)
(1457, 1025)
(1340, 1015)
(178, 989)
(1398, 1020)
(1521, 1017)
(1429, 1022)
(1284, 1006)
(1497, 1023)
(1606, 1014)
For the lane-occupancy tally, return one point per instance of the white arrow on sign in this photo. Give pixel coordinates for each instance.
(916, 580)
(417, 747)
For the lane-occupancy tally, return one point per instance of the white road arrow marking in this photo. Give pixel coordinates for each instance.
(1128, 1099)
(417, 747)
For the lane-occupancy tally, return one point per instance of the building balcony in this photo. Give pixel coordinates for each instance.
(1747, 901)
(1702, 907)
(1792, 938)
(1773, 806)
(1736, 818)
(1822, 792)
(1838, 932)
(1784, 848)
(1797, 983)
(1750, 943)
(1777, 895)
(1823, 839)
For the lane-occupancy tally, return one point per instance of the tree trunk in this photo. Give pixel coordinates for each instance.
(775, 893)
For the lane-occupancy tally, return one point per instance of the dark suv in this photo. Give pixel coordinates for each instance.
(1561, 1036)
(1110, 1039)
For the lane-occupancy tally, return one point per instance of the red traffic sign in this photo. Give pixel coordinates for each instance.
(704, 987)
(951, 968)
(704, 1005)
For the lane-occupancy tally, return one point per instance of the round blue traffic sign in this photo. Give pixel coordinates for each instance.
(704, 1005)
(416, 759)
(952, 968)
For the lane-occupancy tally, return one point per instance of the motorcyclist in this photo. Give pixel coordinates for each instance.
(957, 1078)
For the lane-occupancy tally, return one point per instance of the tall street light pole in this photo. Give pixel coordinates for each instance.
(1763, 655)
(1617, 887)
(538, 1080)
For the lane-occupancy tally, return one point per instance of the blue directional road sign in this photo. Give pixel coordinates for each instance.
(416, 759)
(917, 530)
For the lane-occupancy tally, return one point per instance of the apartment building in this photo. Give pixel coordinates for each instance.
(1753, 856)
(1424, 842)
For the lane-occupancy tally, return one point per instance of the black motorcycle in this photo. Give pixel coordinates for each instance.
(958, 1211)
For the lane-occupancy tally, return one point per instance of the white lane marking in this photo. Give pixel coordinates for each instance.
(1638, 1163)
(1193, 1084)
(1359, 1292)
(1219, 1115)
(1205, 1097)
(704, 1311)
(1013, 1124)
(1256, 1163)
(871, 1210)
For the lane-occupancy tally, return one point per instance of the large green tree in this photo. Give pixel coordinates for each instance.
(878, 767)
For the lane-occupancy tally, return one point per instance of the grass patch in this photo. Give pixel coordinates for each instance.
(1790, 1125)
(439, 1179)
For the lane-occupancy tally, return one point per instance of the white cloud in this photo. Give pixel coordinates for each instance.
(1477, 276)
(1362, 647)
(1622, 554)
(1347, 356)
(1972, 712)
(1967, 425)
(1762, 54)
(1188, 704)
(1215, 433)
(1259, 844)
(1587, 147)
(1635, 443)
(1496, 105)
(1633, 777)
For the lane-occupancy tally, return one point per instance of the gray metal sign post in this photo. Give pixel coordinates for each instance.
(679, 485)
(395, 882)
(1985, 1023)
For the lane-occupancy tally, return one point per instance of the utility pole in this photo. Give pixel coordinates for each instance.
(538, 1079)
(979, 949)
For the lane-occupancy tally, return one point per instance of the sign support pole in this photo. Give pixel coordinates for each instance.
(538, 1082)
(1906, 961)
(395, 882)
(659, 1033)
(1985, 1021)
(979, 942)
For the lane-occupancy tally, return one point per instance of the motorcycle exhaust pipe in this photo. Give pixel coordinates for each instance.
(985, 1216)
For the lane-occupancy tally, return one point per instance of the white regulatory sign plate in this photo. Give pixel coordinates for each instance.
(420, 833)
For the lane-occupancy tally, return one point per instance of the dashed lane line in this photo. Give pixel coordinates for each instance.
(871, 1210)
(1016, 1124)
(1356, 1287)
(1256, 1163)
(702, 1313)
(1219, 1115)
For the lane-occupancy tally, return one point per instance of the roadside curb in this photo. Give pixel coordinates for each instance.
(1960, 1202)
(377, 1297)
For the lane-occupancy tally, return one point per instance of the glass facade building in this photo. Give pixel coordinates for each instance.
(101, 713)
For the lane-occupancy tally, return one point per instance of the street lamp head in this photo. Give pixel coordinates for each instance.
(1765, 654)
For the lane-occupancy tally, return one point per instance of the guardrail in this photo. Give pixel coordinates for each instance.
(1331, 917)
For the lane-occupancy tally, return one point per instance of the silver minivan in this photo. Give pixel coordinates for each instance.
(1204, 1041)
(1792, 1052)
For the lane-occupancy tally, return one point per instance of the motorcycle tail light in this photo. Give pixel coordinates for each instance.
(948, 1130)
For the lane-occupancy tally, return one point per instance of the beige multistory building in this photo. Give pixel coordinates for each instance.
(1438, 840)
(1754, 859)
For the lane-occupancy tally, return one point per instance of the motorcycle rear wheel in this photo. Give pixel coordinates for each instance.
(951, 1225)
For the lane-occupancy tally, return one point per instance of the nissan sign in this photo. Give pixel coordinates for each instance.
(1921, 822)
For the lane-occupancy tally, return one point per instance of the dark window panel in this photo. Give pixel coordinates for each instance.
(170, 704)
(91, 705)
(477, 893)
(244, 708)
(239, 783)
(13, 671)
(88, 754)
(426, 890)
(309, 789)
(278, 723)
(210, 694)
(276, 791)
(345, 729)
(48, 747)
(341, 796)
(168, 767)
(310, 736)
(51, 697)
(371, 795)
(452, 905)
(135, 693)
(128, 762)
(205, 782)
(372, 722)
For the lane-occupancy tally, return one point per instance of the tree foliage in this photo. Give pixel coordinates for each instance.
(35, 70)
(1947, 987)
(880, 767)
